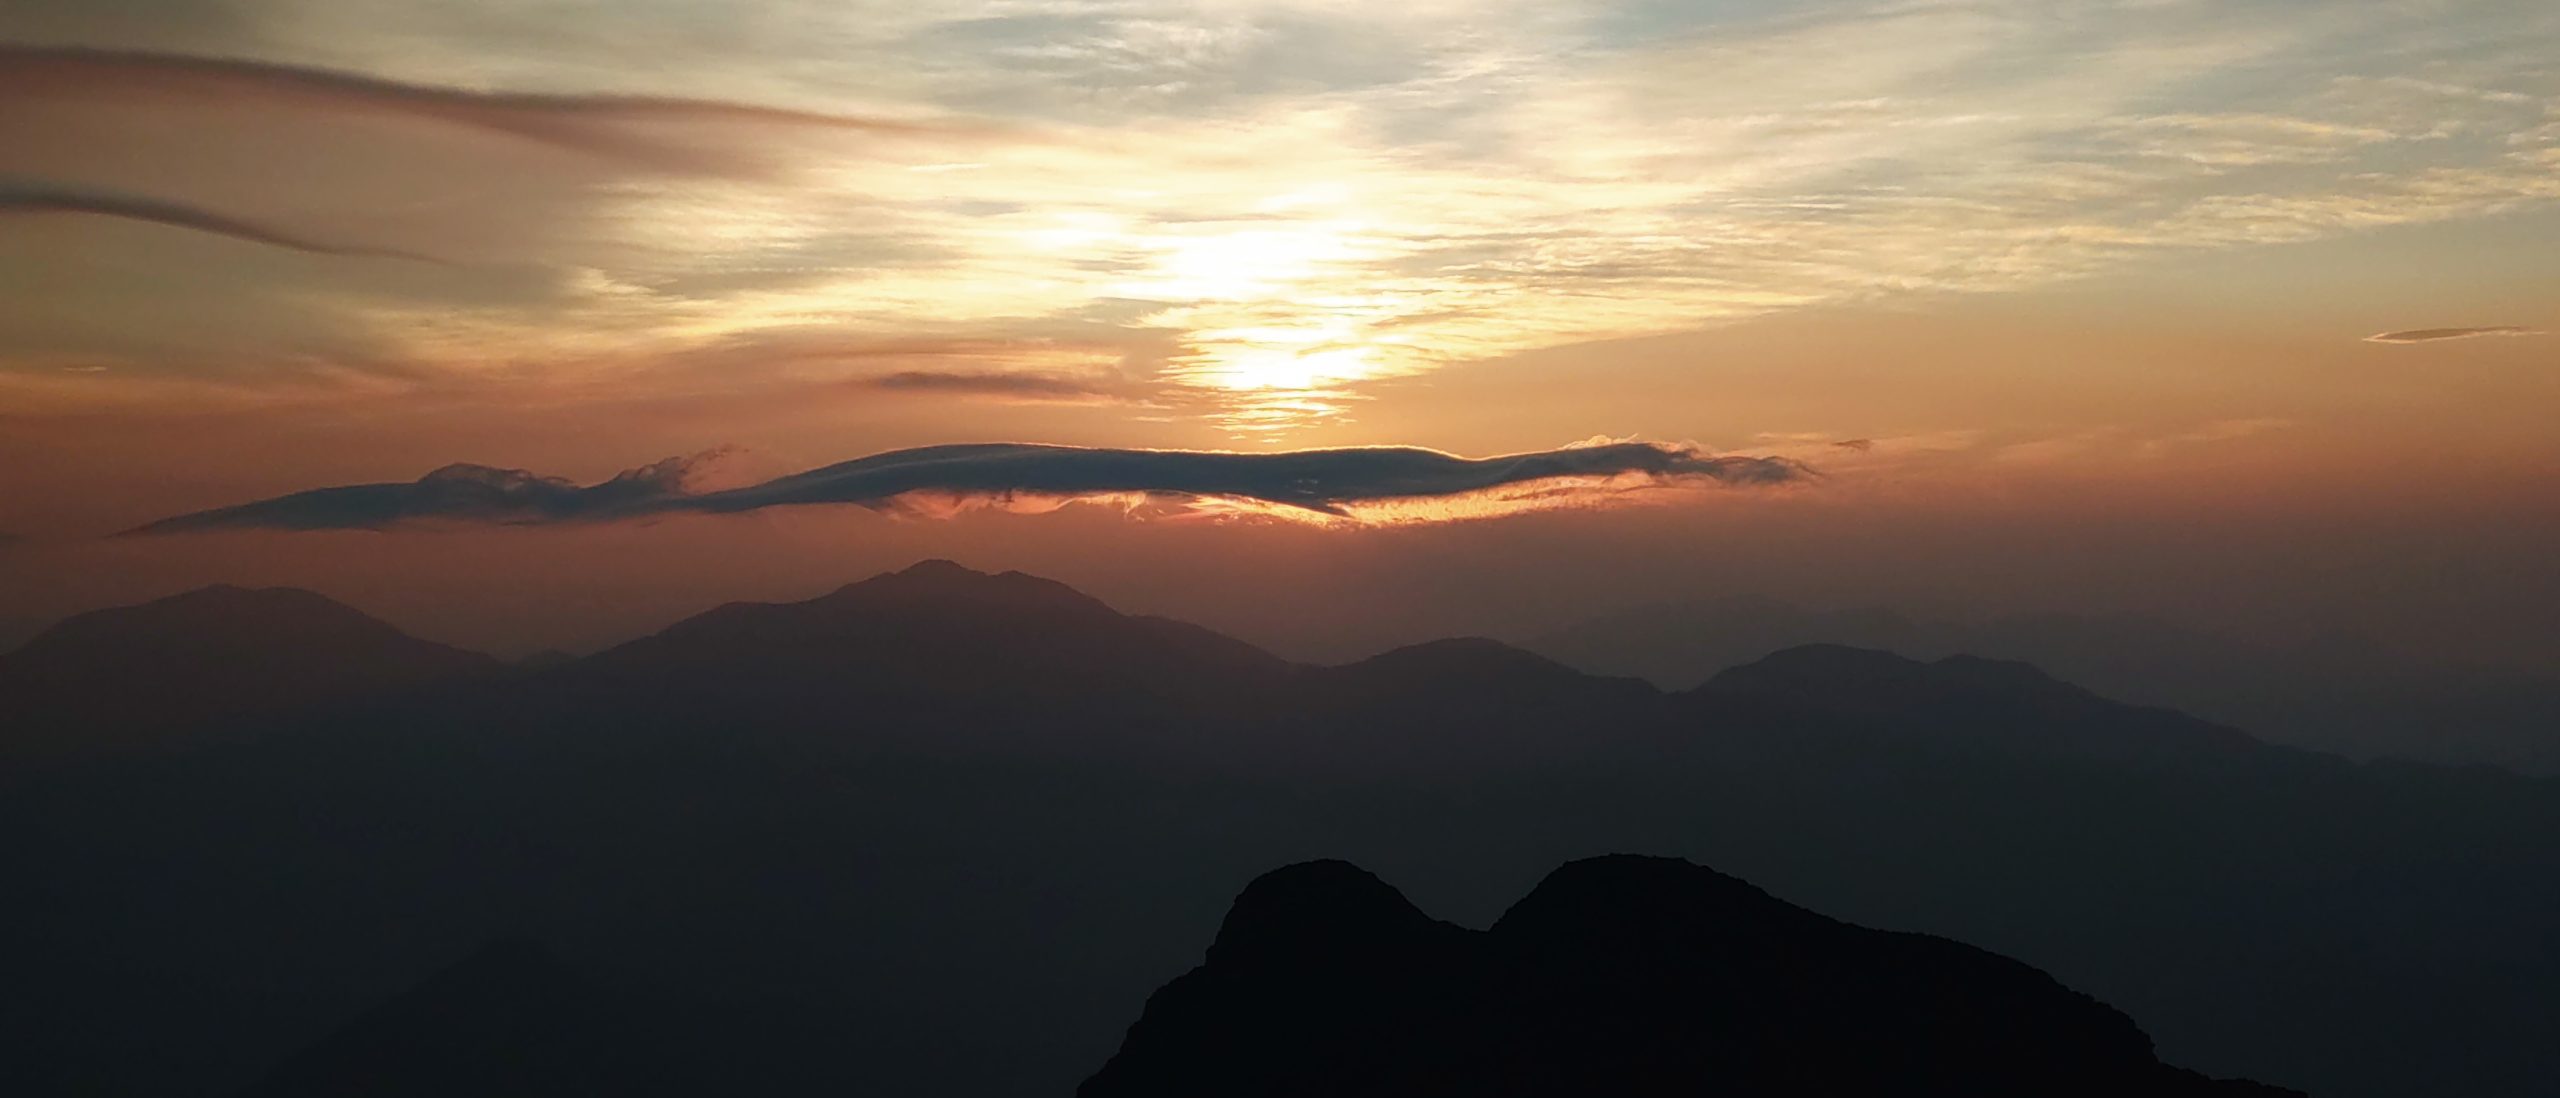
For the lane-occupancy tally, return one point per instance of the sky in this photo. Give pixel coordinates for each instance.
(1332, 324)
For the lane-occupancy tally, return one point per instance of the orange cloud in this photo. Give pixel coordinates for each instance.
(2438, 335)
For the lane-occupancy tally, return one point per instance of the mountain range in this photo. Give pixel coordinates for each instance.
(935, 832)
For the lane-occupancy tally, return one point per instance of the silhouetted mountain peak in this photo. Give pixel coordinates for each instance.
(1316, 911)
(1975, 703)
(956, 585)
(1638, 903)
(1006, 641)
(220, 607)
(1878, 679)
(925, 597)
(1470, 675)
(1678, 644)
(1477, 656)
(1824, 665)
(213, 653)
(1984, 671)
(236, 623)
(1626, 976)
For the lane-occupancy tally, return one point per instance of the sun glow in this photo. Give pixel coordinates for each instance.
(1260, 262)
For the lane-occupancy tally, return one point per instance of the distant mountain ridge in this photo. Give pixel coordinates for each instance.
(1625, 976)
(941, 608)
(1973, 701)
(2334, 697)
(929, 657)
(2502, 718)
(124, 676)
(1013, 648)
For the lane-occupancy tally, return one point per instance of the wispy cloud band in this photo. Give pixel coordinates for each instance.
(1333, 482)
(587, 123)
(994, 385)
(2439, 335)
(1261, 212)
(22, 199)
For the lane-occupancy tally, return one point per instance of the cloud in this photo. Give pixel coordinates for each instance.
(26, 199)
(1556, 175)
(2438, 335)
(1027, 387)
(456, 493)
(1387, 483)
(592, 123)
(466, 493)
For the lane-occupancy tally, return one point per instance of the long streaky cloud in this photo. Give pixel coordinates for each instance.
(1016, 386)
(588, 123)
(1327, 483)
(27, 199)
(2438, 335)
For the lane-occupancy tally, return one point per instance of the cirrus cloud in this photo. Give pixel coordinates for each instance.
(598, 124)
(995, 385)
(2439, 335)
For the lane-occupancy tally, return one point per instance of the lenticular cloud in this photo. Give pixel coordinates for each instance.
(1383, 484)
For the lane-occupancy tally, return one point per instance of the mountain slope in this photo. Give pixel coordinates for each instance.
(1966, 703)
(950, 625)
(133, 675)
(1620, 975)
(934, 657)
(2338, 694)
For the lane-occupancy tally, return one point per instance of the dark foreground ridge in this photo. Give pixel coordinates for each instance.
(1621, 975)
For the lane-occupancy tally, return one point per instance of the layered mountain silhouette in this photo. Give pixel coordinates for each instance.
(1965, 702)
(937, 626)
(2340, 695)
(950, 825)
(1620, 975)
(1484, 675)
(969, 651)
(116, 678)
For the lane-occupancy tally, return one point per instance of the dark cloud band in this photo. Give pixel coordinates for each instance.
(1322, 481)
(589, 123)
(20, 199)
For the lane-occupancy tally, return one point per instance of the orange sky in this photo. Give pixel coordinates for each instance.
(2088, 284)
